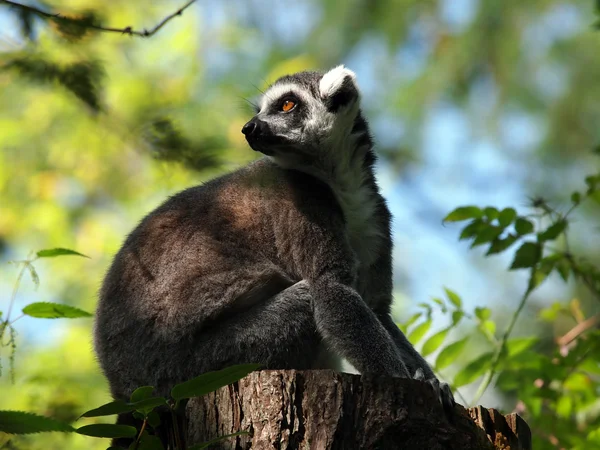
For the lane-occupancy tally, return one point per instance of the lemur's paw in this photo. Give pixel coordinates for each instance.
(442, 390)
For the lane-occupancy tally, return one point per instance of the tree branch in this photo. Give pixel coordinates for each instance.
(578, 330)
(127, 30)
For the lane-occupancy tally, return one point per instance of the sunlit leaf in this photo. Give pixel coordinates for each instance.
(53, 252)
(21, 422)
(564, 406)
(453, 297)
(527, 255)
(464, 213)
(411, 321)
(456, 317)
(440, 303)
(47, 310)
(449, 354)
(434, 342)
(483, 313)
(489, 326)
(211, 381)
(516, 346)
(421, 330)
(473, 370)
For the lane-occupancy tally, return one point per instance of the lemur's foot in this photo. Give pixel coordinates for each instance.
(442, 390)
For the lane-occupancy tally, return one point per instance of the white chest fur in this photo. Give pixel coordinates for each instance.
(359, 205)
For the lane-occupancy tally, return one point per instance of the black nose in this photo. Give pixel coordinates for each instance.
(249, 128)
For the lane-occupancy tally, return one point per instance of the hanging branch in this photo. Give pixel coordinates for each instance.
(57, 17)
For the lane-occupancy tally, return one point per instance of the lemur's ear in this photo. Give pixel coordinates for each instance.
(338, 88)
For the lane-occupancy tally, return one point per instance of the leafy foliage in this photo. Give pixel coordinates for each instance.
(20, 422)
(46, 310)
(81, 78)
(74, 168)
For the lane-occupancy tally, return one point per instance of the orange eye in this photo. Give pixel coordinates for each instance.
(287, 105)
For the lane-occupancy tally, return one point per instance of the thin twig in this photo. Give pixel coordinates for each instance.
(127, 30)
(577, 330)
(487, 380)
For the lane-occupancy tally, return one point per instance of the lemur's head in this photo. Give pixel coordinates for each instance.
(304, 117)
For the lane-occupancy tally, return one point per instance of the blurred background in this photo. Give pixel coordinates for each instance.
(471, 102)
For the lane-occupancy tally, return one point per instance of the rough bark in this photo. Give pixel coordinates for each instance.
(323, 409)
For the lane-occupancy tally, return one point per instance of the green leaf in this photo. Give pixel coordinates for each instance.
(506, 217)
(417, 334)
(553, 231)
(410, 321)
(564, 406)
(449, 354)
(483, 314)
(141, 393)
(592, 181)
(456, 317)
(544, 269)
(576, 198)
(527, 255)
(211, 381)
(109, 409)
(491, 213)
(148, 404)
(52, 252)
(440, 303)
(33, 273)
(453, 297)
(464, 213)
(107, 430)
(21, 422)
(487, 234)
(473, 370)
(215, 440)
(523, 226)
(434, 342)
(472, 229)
(46, 310)
(498, 245)
(563, 267)
(489, 326)
(149, 442)
(516, 346)
(153, 419)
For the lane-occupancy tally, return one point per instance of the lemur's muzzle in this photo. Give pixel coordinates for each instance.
(253, 128)
(258, 134)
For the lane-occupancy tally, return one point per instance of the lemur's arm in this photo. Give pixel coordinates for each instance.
(377, 285)
(323, 257)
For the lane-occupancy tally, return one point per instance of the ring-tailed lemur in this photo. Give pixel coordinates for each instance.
(271, 264)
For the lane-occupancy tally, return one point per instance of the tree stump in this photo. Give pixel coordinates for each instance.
(322, 409)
